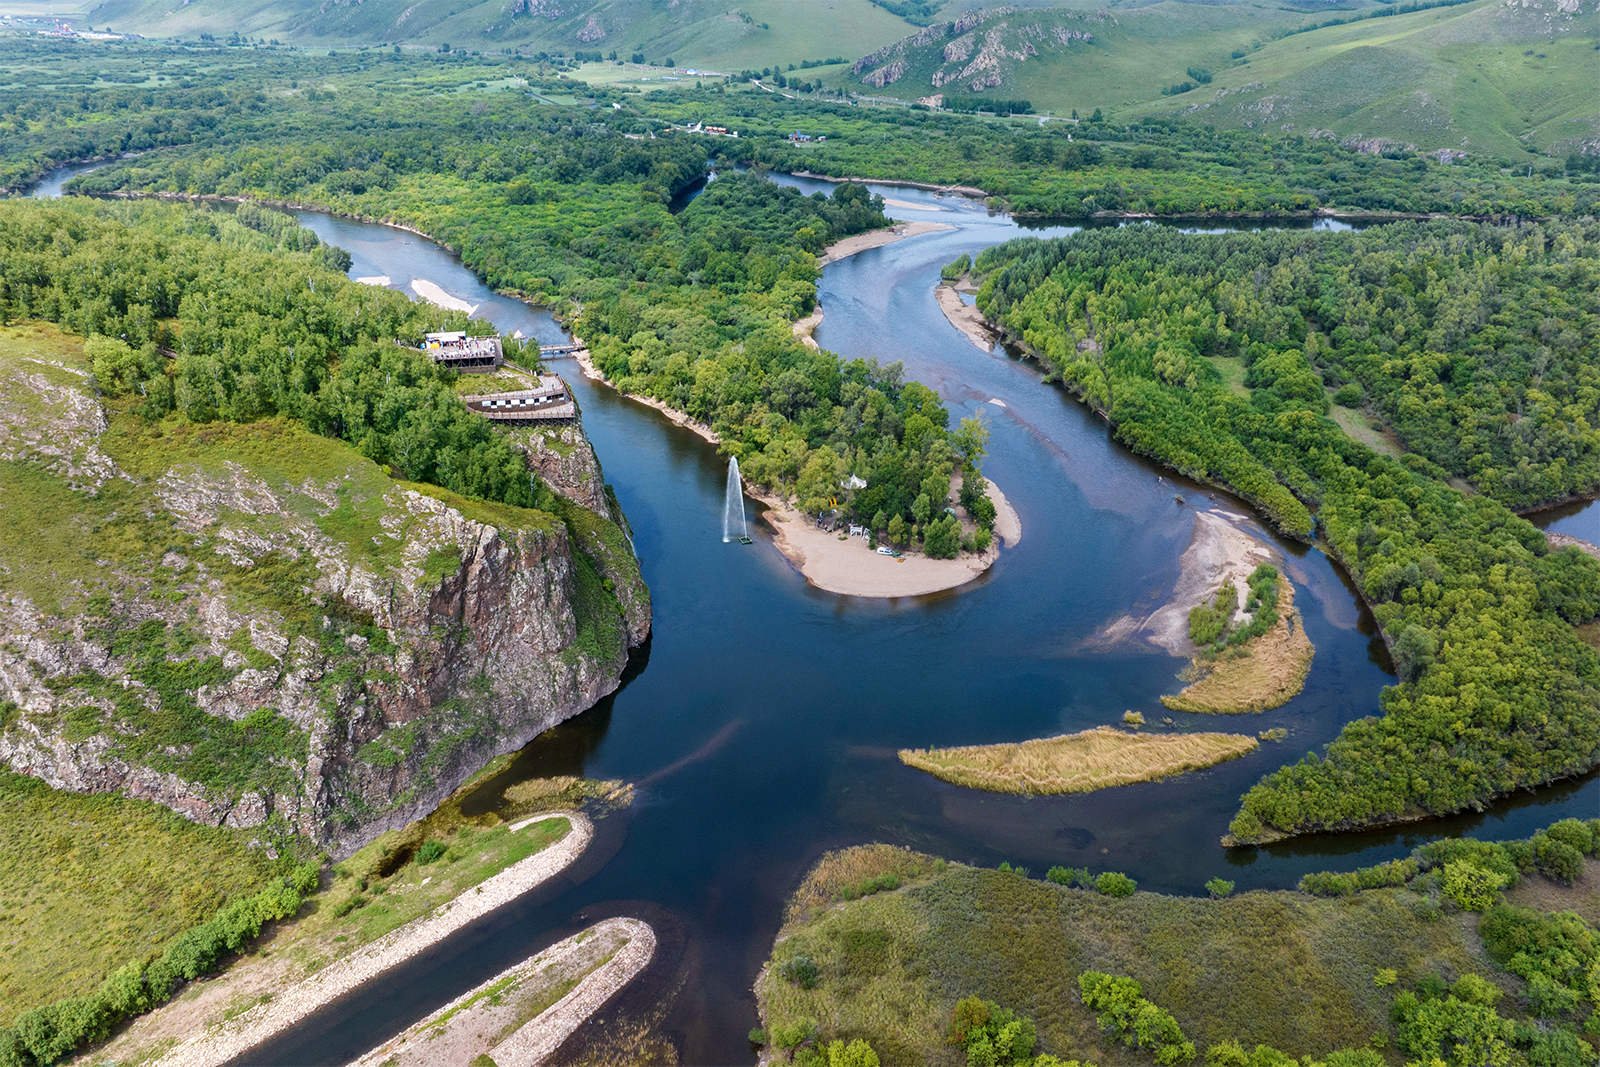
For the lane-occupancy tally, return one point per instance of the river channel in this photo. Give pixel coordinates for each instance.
(761, 720)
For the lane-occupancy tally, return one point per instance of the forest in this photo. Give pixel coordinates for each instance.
(1496, 690)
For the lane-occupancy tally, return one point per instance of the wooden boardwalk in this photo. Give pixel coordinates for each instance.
(549, 401)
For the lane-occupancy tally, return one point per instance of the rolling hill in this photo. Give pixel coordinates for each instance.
(709, 33)
(1485, 76)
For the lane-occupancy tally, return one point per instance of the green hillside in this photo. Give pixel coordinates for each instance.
(1481, 76)
(706, 33)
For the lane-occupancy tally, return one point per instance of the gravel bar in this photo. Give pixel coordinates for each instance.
(216, 1046)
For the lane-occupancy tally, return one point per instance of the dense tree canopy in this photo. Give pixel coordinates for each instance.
(1497, 691)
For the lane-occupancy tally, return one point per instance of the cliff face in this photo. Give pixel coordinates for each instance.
(252, 624)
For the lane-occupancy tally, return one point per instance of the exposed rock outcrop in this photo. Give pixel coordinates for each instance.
(276, 630)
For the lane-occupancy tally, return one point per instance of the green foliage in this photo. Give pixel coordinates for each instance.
(1126, 1014)
(1472, 887)
(1558, 955)
(1331, 884)
(429, 851)
(800, 970)
(868, 886)
(956, 268)
(991, 1035)
(1488, 604)
(855, 1054)
(1219, 888)
(1115, 884)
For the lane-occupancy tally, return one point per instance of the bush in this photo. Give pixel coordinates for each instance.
(1124, 1013)
(430, 851)
(1115, 884)
(993, 1036)
(1349, 395)
(801, 971)
(856, 1054)
(1219, 888)
(1472, 887)
(1574, 833)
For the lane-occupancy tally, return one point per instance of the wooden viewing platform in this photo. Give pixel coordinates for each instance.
(463, 354)
(551, 400)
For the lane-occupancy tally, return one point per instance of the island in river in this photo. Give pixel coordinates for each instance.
(832, 560)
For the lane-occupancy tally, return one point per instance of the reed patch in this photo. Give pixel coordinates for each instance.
(1078, 763)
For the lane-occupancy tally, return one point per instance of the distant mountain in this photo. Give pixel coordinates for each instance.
(1486, 76)
(712, 33)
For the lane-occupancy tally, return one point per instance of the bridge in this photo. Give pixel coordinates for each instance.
(560, 350)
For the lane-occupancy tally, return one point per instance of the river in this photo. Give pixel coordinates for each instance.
(761, 720)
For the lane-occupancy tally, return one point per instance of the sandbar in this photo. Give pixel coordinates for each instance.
(1077, 763)
(600, 960)
(850, 568)
(964, 317)
(877, 239)
(1220, 549)
(216, 1046)
(382, 280)
(906, 205)
(436, 296)
(1266, 673)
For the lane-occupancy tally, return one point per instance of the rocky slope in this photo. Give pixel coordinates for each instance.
(255, 625)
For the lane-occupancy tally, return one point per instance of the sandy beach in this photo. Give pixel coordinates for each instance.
(600, 960)
(436, 296)
(803, 328)
(214, 1047)
(877, 239)
(850, 568)
(964, 317)
(381, 280)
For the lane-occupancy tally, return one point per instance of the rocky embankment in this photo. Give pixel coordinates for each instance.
(253, 623)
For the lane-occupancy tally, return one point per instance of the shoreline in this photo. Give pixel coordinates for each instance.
(965, 317)
(861, 242)
(213, 1047)
(849, 568)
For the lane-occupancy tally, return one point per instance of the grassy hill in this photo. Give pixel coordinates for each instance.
(718, 35)
(1483, 76)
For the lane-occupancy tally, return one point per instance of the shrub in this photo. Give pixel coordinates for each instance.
(993, 1036)
(1349, 395)
(1558, 859)
(1078, 876)
(1574, 833)
(1123, 1012)
(856, 1054)
(1472, 887)
(1115, 884)
(800, 970)
(430, 851)
(790, 1036)
(1219, 888)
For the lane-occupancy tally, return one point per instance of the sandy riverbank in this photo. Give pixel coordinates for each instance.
(803, 328)
(435, 295)
(850, 568)
(597, 963)
(964, 317)
(877, 239)
(216, 1046)
(586, 361)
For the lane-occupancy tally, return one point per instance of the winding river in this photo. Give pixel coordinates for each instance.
(761, 720)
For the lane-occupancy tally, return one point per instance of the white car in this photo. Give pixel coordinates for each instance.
(885, 550)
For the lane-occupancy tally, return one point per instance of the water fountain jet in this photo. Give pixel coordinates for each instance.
(733, 506)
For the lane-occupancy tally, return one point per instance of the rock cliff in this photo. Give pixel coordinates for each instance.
(252, 624)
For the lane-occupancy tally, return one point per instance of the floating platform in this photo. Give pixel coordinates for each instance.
(549, 401)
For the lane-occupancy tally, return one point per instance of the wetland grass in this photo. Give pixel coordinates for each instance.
(1077, 763)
